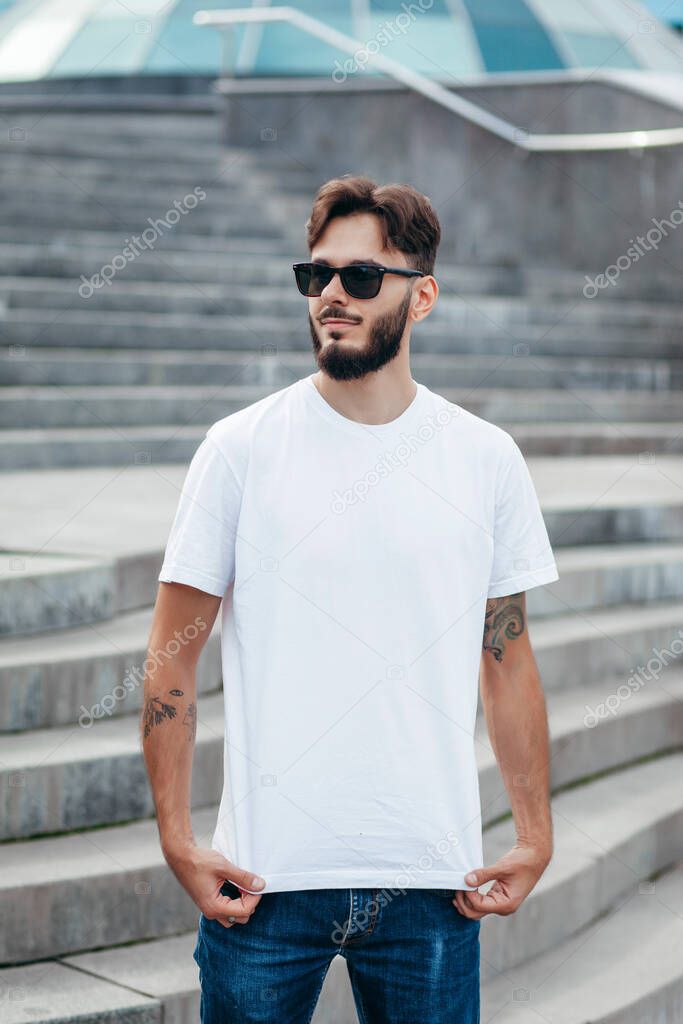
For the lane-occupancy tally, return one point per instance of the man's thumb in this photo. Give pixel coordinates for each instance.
(481, 875)
(244, 879)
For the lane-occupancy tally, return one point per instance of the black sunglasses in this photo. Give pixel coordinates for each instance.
(360, 280)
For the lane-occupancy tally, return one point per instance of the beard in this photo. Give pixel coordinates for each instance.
(343, 361)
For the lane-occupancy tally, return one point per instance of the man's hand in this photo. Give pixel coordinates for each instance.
(202, 874)
(515, 876)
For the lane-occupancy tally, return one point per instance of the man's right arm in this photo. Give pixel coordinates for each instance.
(167, 728)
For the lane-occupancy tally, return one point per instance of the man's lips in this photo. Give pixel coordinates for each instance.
(331, 320)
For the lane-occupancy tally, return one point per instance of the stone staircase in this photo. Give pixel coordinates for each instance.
(103, 402)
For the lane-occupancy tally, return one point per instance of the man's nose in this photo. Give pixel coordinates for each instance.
(334, 291)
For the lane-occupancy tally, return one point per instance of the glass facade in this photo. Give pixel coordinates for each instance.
(670, 11)
(448, 40)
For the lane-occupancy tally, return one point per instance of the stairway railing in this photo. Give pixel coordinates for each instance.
(227, 21)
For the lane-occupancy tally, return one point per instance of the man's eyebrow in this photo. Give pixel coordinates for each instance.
(326, 263)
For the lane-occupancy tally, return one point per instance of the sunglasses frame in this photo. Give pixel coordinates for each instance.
(381, 271)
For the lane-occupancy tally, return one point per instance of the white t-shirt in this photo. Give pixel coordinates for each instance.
(354, 562)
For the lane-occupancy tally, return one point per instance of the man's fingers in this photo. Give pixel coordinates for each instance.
(464, 905)
(474, 904)
(478, 903)
(248, 902)
(239, 909)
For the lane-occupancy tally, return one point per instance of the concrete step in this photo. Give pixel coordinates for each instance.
(594, 580)
(595, 727)
(585, 500)
(570, 406)
(33, 406)
(92, 328)
(516, 310)
(50, 993)
(168, 261)
(42, 592)
(72, 777)
(43, 145)
(218, 220)
(161, 969)
(132, 113)
(45, 407)
(90, 772)
(103, 245)
(542, 285)
(51, 122)
(90, 447)
(132, 200)
(609, 833)
(625, 967)
(600, 576)
(461, 310)
(124, 445)
(620, 641)
(610, 499)
(599, 974)
(72, 677)
(465, 374)
(93, 889)
(568, 438)
(88, 170)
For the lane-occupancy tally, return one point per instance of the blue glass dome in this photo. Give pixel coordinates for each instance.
(668, 11)
(448, 40)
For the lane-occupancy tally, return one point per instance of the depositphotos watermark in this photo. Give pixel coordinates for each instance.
(393, 460)
(636, 681)
(389, 30)
(136, 245)
(408, 872)
(639, 246)
(136, 675)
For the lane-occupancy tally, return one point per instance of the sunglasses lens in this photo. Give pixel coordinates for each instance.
(362, 282)
(311, 279)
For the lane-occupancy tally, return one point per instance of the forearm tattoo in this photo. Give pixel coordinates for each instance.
(156, 710)
(504, 620)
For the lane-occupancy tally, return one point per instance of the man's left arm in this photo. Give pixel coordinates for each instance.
(516, 717)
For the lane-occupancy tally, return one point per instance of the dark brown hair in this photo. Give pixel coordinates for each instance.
(408, 221)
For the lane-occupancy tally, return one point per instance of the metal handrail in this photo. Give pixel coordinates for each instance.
(532, 142)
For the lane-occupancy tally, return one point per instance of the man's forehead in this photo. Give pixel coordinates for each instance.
(356, 238)
(329, 260)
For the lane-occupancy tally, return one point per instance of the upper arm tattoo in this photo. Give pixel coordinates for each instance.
(504, 620)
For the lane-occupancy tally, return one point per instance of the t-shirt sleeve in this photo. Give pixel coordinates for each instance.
(522, 556)
(201, 546)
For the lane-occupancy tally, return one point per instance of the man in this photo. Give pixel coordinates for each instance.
(371, 544)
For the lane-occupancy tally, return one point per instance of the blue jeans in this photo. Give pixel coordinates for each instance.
(411, 957)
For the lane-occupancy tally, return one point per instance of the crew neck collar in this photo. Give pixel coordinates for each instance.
(366, 430)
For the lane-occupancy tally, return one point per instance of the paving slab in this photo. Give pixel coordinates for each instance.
(52, 993)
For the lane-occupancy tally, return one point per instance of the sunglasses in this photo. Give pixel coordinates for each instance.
(360, 280)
